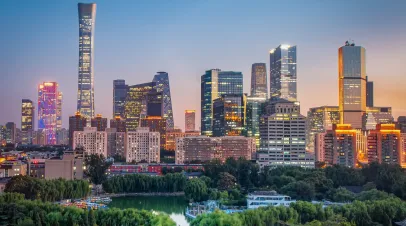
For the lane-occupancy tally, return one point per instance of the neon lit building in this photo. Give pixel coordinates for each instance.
(190, 119)
(59, 111)
(87, 19)
(161, 80)
(283, 77)
(47, 110)
(27, 120)
(229, 112)
(259, 85)
(352, 84)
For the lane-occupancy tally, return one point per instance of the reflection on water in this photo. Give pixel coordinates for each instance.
(174, 206)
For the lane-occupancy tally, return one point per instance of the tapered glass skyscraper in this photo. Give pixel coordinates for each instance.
(161, 80)
(282, 74)
(87, 18)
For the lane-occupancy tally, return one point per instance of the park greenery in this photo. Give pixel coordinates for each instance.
(48, 190)
(14, 210)
(137, 183)
(96, 167)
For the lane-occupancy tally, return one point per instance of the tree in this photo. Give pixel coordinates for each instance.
(206, 180)
(217, 218)
(196, 190)
(299, 190)
(343, 195)
(226, 181)
(96, 167)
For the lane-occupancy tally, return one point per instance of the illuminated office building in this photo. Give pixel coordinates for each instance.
(119, 95)
(229, 112)
(155, 106)
(59, 111)
(87, 19)
(99, 122)
(27, 120)
(156, 124)
(385, 145)
(259, 86)
(283, 77)
(47, 110)
(254, 112)
(76, 123)
(136, 104)
(118, 123)
(370, 93)
(215, 83)
(161, 80)
(283, 137)
(377, 115)
(352, 84)
(190, 120)
(320, 119)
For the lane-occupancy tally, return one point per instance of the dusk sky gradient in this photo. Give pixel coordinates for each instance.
(134, 39)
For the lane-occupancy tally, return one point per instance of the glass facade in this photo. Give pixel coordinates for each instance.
(352, 84)
(119, 95)
(283, 77)
(254, 112)
(47, 110)
(27, 120)
(135, 104)
(370, 93)
(162, 85)
(87, 18)
(214, 84)
(259, 86)
(229, 113)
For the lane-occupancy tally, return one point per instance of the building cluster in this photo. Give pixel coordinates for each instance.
(265, 125)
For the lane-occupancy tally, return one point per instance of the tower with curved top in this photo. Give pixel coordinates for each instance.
(161, 80)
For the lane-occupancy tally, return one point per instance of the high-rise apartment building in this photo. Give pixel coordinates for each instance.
(319, 120)
(119, 95)
(215, 83)
(142, 146)
(161, 80)
(385, 145)
(87, 19)
(259, 85)
(118, 123)
(59, 111)
(254, 112)
(203, 148)
(48, 110)
(115, 142)
(99, 122)
(27, 120)
(91, 140)
(283, 77)
(283, 137)
(136, 104)
(190, 120)
(229, 112)
(370, 93)
(172, 135)
(156, 124)
(352, 84)
(76, 123)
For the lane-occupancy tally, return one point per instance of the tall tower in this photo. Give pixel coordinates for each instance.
(59, 111)
(87, 18)
(352, 84)
(161, 80)
(282, 74)
(190, 120)
(47, 110)
(119, 95)
(27, 120)
(370, 93)
(259, 86)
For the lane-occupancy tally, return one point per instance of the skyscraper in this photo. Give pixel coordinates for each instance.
(259, 86)
(59, 111)
(136, 104)
(47, 110)
(99, 122)
(76, 123)
(215, 83)
(229, 112)
(161, 80)
(352, 84)
(254, 112)
(87, 19)
(283, 77)
(370, 93)
(119, 95)
(190, 120)
(27, 120)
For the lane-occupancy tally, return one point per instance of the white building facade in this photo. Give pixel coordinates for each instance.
(92, 141)
(142, 146)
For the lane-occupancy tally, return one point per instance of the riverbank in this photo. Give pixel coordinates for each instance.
(144, 194)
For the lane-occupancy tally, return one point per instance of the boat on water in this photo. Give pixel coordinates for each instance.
(93, 203)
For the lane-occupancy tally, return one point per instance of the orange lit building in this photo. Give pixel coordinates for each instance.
(99, 122)
(76, 123)
(172, 135)
(340, 146)
(385, 145)
(156, 124)
(118, 123)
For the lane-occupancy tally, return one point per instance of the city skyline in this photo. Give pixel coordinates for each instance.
(184, 73)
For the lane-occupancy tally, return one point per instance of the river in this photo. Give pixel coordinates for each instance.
(174, 206)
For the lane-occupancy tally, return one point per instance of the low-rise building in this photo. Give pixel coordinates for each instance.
(70, 167)
(12, 168)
